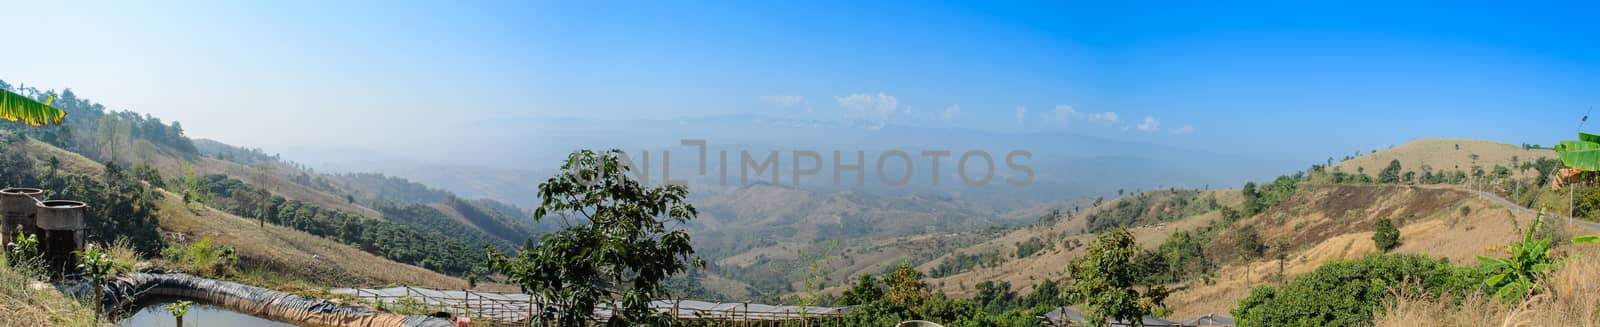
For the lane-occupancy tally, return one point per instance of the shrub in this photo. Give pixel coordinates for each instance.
(202, 257)
(1343, 293)
(1385, 235)
(23, 253)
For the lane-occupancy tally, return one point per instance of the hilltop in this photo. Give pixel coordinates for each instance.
(1446, 154)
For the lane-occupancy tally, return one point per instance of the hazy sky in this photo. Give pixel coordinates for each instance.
(1293, 81)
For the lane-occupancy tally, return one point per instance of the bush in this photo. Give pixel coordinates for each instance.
(1385, 235)
(202, 258)
(1343, 293)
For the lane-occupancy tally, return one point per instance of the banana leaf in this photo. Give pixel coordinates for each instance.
(20, 109)
(1579, 154)
(1586, 137)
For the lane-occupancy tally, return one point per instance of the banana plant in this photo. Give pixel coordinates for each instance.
(1530, 261)
(17, 108)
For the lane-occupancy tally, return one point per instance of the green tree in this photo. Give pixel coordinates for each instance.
(1385, 235)
(146, 172)
(615, 245)
(906, 288)
(1104, 280)
(1390, 174)
(865, 290)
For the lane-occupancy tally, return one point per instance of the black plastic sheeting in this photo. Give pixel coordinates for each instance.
(129, 288)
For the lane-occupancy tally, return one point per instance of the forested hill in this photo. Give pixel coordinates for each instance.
(388, 216)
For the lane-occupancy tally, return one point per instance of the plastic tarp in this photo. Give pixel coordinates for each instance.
(1209, 320)
(126, 289)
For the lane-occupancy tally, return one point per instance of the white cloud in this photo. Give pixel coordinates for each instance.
(863, 104)
(950, 112)
(1106, 117)
(1022, 112)
(1065, 114)
(785, 100)
(1149, 124)
(788, 101)
(1185, 129)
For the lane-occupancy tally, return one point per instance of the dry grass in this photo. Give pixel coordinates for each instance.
(1024, 273)
(124, 259)
(1572, 299)
(26, 302)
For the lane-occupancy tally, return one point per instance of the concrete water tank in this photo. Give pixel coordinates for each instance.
(61, 228)
(18, 207)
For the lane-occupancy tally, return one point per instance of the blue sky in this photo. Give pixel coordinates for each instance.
(1255, 78)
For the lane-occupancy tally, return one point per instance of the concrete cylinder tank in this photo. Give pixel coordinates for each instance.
(61, 226)
(18, 206)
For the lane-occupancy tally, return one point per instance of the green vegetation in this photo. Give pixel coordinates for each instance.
(1391, 173)
(904, 296)
(1530, 261)
(1184, 256)
(21, 109)
(1106, 279)
(1149, 208)
(96, 265)
(440, 249)
(1257, 200)
(202, 258)
(961, 262)
(617, 246)
(114, 193)
(23, 253)
(1344, 293)
(178, 310)
(1385, 236)
(1033, 245)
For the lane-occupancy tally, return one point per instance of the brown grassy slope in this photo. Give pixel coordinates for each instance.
(1331, 222)
(1442, 154)
(283, 250)
(1024, 273)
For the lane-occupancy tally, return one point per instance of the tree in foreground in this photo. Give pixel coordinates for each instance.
(620, 240)
(1104, 280)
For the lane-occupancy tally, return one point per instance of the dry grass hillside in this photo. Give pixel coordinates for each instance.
(1332, 222)
(1444, 154)
(1024, 273)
